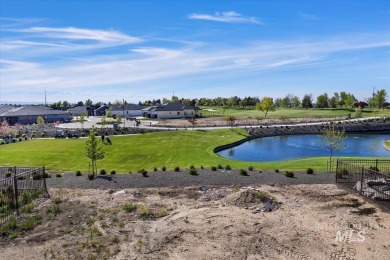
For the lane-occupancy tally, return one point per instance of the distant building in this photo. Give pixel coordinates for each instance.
(29, 114)
(171, 111)
(130, 110)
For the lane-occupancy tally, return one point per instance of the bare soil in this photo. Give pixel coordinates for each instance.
(306, 221)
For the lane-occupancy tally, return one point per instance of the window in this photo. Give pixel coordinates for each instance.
(178, 113)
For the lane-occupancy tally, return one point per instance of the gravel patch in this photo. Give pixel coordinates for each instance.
(184, 179)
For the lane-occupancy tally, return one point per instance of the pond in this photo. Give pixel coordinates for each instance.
(280, 148)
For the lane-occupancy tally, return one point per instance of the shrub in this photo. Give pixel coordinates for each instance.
(289, 174)
(309, 171)
(193, 172)
(78, 173)
(36, 176)
(57, 200)
(177, 169)
(143, 172)
(113, 172)
(8, 174)
(90, 176)
(250, 168)
(43, 134)
(202, 167)
(46, 175)
(228, 168)
(213, 168)
(164, 168)
(220, 166)
(128, 207)
(192, 167)
(276, 170)
(261, 196)
(155, 169)
(54, 210)
(58, 175)
(28, 208)
(243, 172)
(103, 172)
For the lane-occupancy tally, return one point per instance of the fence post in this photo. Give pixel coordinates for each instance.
(16, 192)
(376, 166)
(44, 180)
(337, 168)
(361, 181)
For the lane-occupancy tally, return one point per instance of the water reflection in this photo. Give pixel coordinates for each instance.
(279, 148)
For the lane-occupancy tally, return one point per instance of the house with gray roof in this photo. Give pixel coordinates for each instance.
(128, 111)
(30, 114)
(171, 111)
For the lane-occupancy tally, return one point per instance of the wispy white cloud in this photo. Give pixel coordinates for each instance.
(307, 16)
(226, 17)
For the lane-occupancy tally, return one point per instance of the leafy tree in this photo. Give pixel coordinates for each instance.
(88, 103)
(103, 120)
(333, 140)
(307, 101)
(94, 150)
(296, 101)
(82, 119)
(380, 98)
(266, 105)
(174, 99)
(40, 120)
(333, 102)
(109, 112)
(119, 119)
(322, 101)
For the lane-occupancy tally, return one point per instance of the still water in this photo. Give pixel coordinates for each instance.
(280, 148)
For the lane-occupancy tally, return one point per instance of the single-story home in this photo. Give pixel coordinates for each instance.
(29, 114)
(171, 111)
(130, 110)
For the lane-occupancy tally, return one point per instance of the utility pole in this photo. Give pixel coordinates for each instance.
(124, 116)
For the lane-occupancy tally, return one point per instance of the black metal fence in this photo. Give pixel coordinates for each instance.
(370, 178)
(19, 188)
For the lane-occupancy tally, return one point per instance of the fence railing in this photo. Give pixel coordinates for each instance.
(19, 188)
(370, 178)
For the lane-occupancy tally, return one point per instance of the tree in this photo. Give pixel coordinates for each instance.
(307, 101)
(266, 105)
(82, 119)
(296, 101)
(109, 112)
(40, 120)
(322, 101)
(333, 140)
(380, 98)
(231, 120)
(93, 150)
(88, 103)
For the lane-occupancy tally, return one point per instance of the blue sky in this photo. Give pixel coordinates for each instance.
(144, 50)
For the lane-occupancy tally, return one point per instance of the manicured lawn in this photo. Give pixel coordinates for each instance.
(387, 144)
(291, 113)
(131, 153)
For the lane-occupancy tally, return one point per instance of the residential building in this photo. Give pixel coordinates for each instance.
(171, 111)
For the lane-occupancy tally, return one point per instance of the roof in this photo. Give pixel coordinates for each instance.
(5, 108)
(32, 111)
(78, 109)
(174, 107)
(127, 107)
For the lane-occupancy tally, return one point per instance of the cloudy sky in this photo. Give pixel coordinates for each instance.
(141, 50)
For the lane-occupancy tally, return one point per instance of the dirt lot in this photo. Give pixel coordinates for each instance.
(307, 221)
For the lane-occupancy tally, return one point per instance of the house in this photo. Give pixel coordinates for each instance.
(171, 111)
(130, 110)
(79, 110)
(29, 114)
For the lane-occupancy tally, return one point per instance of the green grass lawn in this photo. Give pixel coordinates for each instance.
(133, 152)
(387, 144)
(292, 113)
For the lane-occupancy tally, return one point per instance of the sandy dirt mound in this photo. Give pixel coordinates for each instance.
(262, 222)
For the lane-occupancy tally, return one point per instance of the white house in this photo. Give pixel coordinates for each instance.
(130, 110)
(171, 111)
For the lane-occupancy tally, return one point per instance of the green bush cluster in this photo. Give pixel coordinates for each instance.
(309, 171)
(243, 172)
(289, 174)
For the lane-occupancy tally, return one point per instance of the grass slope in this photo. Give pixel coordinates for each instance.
(131, 153)
(387, 144)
